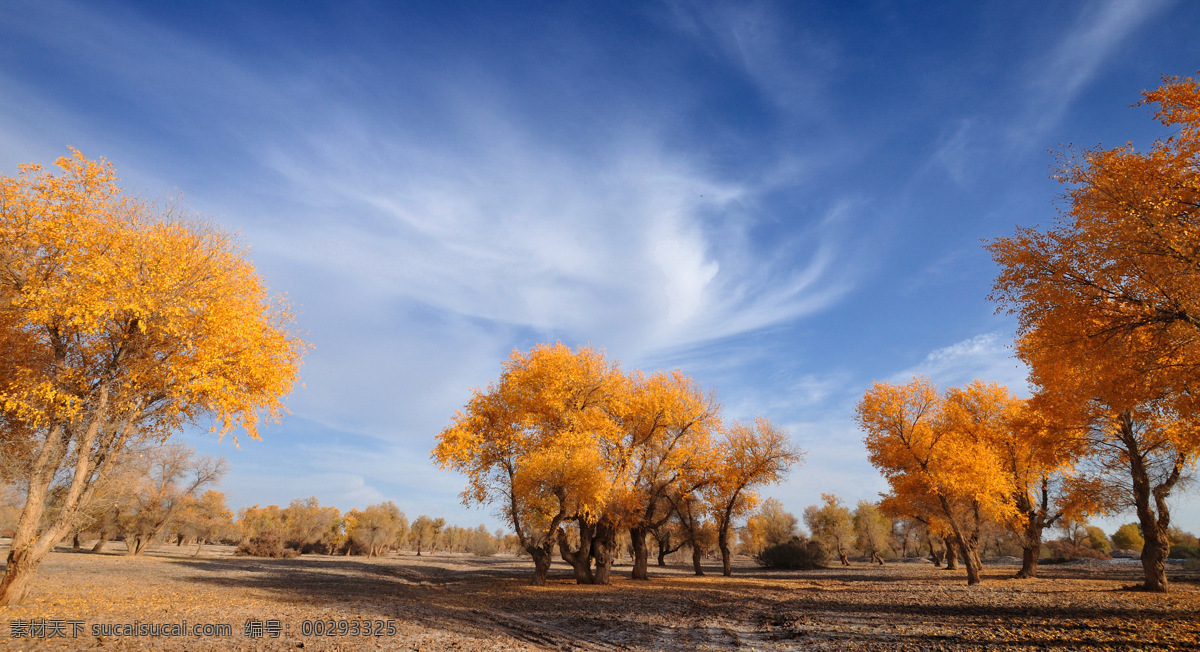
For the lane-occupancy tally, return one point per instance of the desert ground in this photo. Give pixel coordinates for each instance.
(439, 602)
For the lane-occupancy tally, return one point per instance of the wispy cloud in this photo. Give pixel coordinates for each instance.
(988, 357)
(1057, 78)
(789, 64)
(634, 243)
(475, 233)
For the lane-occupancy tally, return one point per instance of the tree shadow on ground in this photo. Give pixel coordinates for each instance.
(860, 606)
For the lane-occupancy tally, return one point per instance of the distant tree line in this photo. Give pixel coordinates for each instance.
(838, 536)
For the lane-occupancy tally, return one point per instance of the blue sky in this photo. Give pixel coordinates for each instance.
(784, 200)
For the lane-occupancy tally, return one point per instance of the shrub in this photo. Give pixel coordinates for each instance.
(482, 544)
(267, 543)
(1184, 551)
(1063, 551)
(797, 554)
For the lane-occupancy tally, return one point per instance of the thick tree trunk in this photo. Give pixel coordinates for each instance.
(726, 559)
(27, 550)
(641, 554)
(103, 540)
(662, 552)
(1037, 519)
(937, 559)
(723, 544)
(1154, 527)
(604, 545)
(22, 565)
(875, 558)
(1031, 547)
(951, 553)
(1154, 557)
(1029, 562)
(970, 554)
(75, 541)
(696, 555)
(541, 565)
(581, 559)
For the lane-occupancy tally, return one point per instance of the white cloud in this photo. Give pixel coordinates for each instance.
(634, 244)
(988, 357)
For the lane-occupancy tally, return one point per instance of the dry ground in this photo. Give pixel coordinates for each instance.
(454, 602)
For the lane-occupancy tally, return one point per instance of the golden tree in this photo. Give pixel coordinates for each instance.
(933, 449)
(204, 518)
(770, 526)
(165, 478)
(119, 322)
(1041, 458)
(373, 530)
(832, 525)
(872, 530)
(531, 444)
(665, 454)
(750, 456)
(1108, 301)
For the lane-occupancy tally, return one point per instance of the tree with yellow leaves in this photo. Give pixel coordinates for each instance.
(1109, 309)
(532, 445)
(933, 449)
(665, 454)
(204, 518)
(120, 322)
(1042, 460)
(832, 525)
(750, 456)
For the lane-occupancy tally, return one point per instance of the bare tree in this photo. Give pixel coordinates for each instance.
(173, 473)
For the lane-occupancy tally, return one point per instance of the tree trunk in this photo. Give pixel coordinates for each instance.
(641, 554)
(75, 542)
(723, 544)
(1154, 529)
(970, 554)
(103, 540)
(875, 558)
(1154, 556)
(541, 565)
(951, 553)
(604, 545)
(1029, 562)
(696, 555)
(937, 560)
(17, 575)
(581, 559)
(662, 552)
(1031, 546)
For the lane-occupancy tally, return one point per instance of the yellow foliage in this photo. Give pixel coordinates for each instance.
(118, 307)
(936, 451)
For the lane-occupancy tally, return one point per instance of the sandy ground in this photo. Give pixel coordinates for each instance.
(442, 602)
